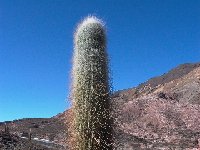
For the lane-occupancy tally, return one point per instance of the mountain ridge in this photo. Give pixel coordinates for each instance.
(159, 113)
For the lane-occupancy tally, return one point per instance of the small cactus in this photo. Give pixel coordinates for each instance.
(30, 134)
(6, 129)
(91, 88)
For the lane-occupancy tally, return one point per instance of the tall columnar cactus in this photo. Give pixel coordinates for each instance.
(91, 88)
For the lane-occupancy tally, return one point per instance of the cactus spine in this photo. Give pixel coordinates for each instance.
(91, 88)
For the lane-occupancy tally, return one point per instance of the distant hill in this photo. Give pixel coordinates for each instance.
(162, 113)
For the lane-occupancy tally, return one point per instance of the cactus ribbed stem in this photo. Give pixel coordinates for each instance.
(91, 88)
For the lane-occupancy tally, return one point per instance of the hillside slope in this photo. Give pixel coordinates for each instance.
(162, 113)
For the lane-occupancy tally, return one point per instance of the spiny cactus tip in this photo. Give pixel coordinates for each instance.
(91, 20)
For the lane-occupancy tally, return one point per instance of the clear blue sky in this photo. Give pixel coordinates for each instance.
(145, 38)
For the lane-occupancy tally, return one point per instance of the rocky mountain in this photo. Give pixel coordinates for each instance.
(46, 133)
(162, 113)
